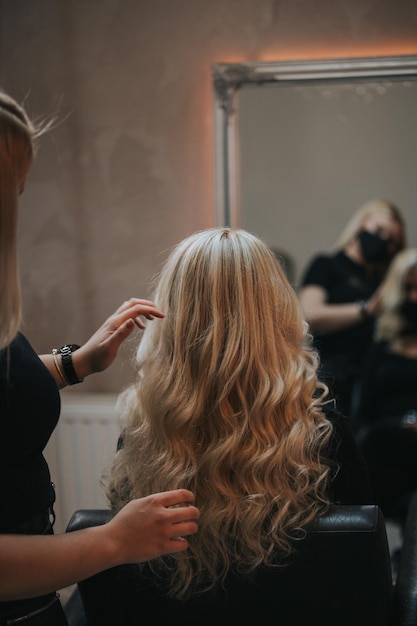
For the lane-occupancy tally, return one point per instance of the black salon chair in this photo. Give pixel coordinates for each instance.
(340, 575)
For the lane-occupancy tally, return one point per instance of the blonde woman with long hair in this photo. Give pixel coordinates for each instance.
(340, 295)
(33, 561)
(226, 401)
(387, 407)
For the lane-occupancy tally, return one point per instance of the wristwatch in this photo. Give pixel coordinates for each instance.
(363, 308)
(66, 356)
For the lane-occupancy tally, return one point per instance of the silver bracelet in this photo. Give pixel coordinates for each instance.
(58, 369)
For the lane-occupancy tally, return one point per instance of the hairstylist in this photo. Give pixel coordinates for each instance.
(33, 561)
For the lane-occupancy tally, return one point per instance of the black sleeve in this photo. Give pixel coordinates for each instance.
(367, 410)
(318, 272)
(350, 479)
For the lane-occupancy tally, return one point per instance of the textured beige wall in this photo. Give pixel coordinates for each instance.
(129, 170)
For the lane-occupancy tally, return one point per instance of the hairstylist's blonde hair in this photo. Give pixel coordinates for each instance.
(16, 153)
(391, 322)
(367, 210)
(225, 403)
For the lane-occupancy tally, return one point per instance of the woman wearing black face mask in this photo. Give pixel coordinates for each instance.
(340, 297)
(376, 249)
(388, 396)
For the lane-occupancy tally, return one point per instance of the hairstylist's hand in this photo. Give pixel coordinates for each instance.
(32, 565)
(102, 348)
(150, 527)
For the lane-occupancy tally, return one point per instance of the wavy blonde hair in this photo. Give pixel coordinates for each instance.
(226, 402)
(377, 206)
(16, 153)
(391, 322)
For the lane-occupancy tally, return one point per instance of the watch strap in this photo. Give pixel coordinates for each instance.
(67, 364)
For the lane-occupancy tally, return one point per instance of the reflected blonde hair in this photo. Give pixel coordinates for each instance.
(360, 217)
(391, 322)
(226, 402)
(17, 136)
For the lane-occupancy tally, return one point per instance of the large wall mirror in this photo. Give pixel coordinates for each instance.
(301, 145)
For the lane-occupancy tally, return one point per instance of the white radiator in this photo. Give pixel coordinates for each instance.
(80, 449)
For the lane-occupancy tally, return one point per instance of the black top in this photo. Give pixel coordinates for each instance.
(388, 388)
(350, 483)
(344, 281)
(29, 412)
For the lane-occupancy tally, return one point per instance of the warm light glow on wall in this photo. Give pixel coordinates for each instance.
(343, 52)
(300, 53)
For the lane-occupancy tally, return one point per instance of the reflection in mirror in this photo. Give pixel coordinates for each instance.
(300, 146)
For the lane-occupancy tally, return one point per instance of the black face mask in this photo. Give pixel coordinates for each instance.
(374, 248)
(409, 312)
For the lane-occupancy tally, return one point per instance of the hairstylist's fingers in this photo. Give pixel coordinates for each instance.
(150, 311)
(102, 347)
(179, 514)
(183, 529)
(187, 525)
(121, 333)
(177, 544)
(176, 497)
(132, 303)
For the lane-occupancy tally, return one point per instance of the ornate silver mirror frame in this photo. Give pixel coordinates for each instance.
(228, 78)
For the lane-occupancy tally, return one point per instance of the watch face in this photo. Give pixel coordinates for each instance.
(69, 347)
